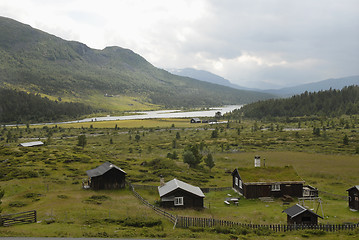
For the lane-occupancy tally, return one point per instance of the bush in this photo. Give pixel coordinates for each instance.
(263, 231)
(141, 222)
(17, 204)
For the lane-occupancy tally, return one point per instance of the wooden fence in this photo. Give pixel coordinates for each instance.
(18, 218)
(171, 217)
(185, 222)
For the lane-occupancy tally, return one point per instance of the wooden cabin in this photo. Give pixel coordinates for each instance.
(267, 182)
(353, 193)
(178, 194)
(298, 214)
(195, 120)
(106, 176)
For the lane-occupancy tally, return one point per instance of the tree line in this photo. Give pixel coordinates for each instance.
(330, 103)
(22, 107)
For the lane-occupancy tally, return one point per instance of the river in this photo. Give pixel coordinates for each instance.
(156, 114)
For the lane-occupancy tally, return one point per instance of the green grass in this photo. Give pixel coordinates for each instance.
(59, 167)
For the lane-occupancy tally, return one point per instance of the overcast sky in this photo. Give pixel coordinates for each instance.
(253, 43)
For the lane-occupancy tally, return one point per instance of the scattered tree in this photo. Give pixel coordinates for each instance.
(137, 137)
(81, 141)
(209, 161)
(346, 140)
(2, 192)
(214, 133)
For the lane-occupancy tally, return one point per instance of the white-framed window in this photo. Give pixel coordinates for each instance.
(275, 187)
(178, 201)
(236, 181)
(240, 183)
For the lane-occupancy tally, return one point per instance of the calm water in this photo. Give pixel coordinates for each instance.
(163, 114)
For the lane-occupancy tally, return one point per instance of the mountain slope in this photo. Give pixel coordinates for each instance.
(35, 61)
(333, 83)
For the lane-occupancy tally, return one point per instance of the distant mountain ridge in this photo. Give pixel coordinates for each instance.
(334, 83)
(206, 76)
(35, 61)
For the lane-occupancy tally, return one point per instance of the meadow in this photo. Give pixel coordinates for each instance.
(49, 178)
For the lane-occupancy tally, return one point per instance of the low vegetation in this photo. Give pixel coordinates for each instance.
(55, 171)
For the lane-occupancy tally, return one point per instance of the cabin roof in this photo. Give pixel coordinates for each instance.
(356, 186)
(31, 144)
(268, 175)
(100, 170)
(296, 210)
(177, 184)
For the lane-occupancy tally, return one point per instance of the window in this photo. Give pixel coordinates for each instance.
(240, 183)
(276, 187)
(236, 181)
(178, 201)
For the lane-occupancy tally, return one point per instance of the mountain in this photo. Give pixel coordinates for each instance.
(333, 83)
(204, 76)
(34, 61)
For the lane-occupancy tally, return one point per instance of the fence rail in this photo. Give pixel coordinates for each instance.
(171, 217)
(185, 222)
(18, 218)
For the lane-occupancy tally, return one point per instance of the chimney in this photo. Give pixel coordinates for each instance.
(162, 181)
(257, 161)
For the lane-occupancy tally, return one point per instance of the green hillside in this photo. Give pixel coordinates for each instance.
(323, 103)
(21, 107)
(34, 61)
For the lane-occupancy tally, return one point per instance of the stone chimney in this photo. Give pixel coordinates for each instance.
(162, 181)
(257, 161)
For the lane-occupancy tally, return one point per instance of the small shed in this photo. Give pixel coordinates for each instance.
(178, 194)
(353, 193)
(298, 214)
(31, 144)
(106, 176)
(310, 191)
(260, 182)
(195, 120)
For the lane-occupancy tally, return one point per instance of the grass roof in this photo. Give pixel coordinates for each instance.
(269, 174)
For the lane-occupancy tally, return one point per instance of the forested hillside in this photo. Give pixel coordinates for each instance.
(21, 107)
(323, 103)
(38, 62)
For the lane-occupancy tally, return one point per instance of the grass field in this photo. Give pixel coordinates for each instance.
(48, 178)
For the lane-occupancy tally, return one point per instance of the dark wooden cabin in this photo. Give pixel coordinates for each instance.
(353, 193)
(267, 182)
(298, 214)
(106, 176)
(178, 194)
(195, 120)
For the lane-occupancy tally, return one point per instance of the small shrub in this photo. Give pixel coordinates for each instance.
(141, 222)
(99, 197)
(263, 231)
(32, 195)
(17, 204)
(315, 232)
(62, 196)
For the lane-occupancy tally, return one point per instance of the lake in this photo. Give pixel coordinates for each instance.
(165, 114)
(210, 113)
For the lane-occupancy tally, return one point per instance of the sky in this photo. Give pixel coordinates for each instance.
(253, 43)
